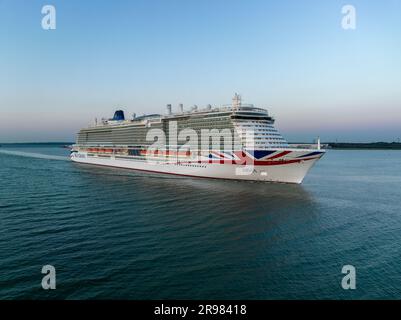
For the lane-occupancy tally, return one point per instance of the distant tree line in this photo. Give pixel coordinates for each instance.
(372, 145)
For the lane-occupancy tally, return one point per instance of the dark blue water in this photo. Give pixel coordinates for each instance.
(113, 233)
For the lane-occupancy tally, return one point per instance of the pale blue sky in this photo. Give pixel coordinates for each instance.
(289, 56)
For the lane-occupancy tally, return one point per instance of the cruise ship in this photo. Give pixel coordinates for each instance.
(236, 141)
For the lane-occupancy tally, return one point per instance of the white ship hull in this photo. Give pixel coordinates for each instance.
(291, 170)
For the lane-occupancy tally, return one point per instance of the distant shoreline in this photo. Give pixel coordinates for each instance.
(366, 146)
(34, 144)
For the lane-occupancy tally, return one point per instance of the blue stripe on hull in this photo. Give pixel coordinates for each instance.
(259, 154)
(310, 154)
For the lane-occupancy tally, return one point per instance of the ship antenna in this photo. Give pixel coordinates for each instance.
(237, 101)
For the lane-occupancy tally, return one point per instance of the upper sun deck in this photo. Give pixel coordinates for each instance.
(237, 108)
(225, 109)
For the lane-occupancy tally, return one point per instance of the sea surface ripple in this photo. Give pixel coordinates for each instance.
(113, 233)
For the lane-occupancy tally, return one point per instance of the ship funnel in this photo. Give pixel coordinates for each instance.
(181, 106)
(169, 109)
(119, 115)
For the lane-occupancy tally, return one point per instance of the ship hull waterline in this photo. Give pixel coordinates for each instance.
(292, 172)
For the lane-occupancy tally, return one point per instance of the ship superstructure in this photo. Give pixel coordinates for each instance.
(236, 141)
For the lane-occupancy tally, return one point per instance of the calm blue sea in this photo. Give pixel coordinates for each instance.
(114, 233)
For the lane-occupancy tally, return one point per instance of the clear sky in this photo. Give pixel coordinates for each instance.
(290, 56)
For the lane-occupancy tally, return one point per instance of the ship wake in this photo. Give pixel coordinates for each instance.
(34, 155)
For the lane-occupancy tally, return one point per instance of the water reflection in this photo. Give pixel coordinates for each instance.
(209, 222)
(240, 194)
